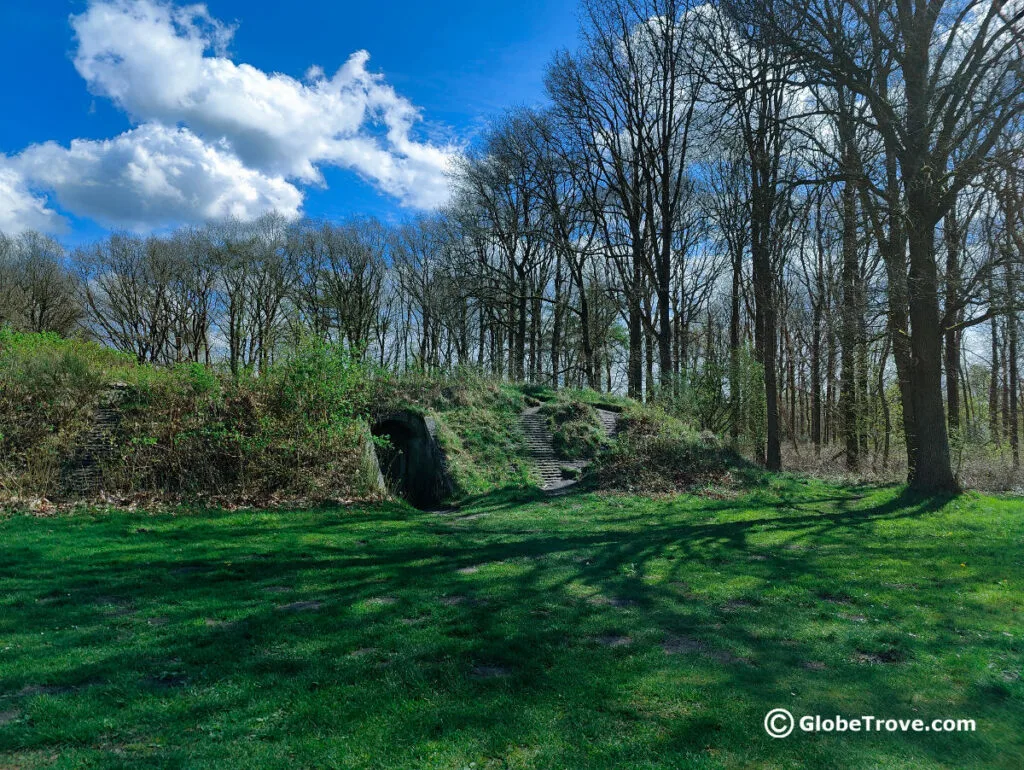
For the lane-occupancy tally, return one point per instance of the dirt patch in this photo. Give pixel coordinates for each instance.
(831, 598)
(685, 645)
(738, 604)
(11, 715)
(310, 606)
(44, 689)
(166, 680)
(682, 645)
(612, 640)
(456, 600)
(612, 601)
(277, 590)
(468, 570)
(363, 652)
(114, 606)
(382, 601)
(814, 665)
(489, 672)
(158, 621)
(886, 657)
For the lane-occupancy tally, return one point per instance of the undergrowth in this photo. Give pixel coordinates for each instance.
(576, 430)
(656, 452)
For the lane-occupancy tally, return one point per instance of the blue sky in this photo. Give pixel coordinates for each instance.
(66, 66)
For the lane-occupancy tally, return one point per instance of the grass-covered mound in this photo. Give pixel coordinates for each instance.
(295, 431)
(656, 452)
(477, 420)
(576, 430)
(583, 631)
(49, 389)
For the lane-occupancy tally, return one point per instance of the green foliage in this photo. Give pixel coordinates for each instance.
(185, 430)
(538, 392)
(576, 431)
(293, 431)
(753, 411)
(49, 387)
(656, 452)
(476, 419)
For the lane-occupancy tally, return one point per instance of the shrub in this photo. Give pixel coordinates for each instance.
(655, 452)
(297, 430)
(293, 431)
(576, 430)
(49, 387)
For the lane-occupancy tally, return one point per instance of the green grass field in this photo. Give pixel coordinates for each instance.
(574, 632)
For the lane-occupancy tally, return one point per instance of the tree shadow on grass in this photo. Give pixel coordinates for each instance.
(505, 615)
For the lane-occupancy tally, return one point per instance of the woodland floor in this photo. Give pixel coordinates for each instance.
(580, 631)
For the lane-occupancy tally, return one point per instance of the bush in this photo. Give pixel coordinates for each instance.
(297, 430)
(576, 430)
(658, 453)
(49, 388)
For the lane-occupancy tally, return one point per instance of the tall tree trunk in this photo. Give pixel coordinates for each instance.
(952, 335)
(556, 324)
(932, 468)
(1011, 358)
(993, 383)
(735, 405)
(635, 370)
(849, 328)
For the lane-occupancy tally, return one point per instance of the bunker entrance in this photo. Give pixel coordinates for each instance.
(412, 461)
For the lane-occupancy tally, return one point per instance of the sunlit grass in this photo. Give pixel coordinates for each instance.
(578, 632)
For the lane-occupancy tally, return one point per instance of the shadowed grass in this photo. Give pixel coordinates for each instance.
(517, 631)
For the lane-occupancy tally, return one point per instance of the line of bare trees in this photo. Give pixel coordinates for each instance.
(798, 221)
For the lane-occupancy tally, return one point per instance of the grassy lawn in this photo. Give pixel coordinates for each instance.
(574, 632)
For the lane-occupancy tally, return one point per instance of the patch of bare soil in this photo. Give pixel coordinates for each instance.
(310, 606)
(489, 672)
(684, 645)
(612, 640)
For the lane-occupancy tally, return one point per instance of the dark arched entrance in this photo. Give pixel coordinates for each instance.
(413, 462)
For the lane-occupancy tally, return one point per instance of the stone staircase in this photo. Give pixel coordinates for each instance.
(610, 421)
(83, 474)
(550, 469)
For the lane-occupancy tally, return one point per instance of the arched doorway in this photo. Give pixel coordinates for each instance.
(412, 461)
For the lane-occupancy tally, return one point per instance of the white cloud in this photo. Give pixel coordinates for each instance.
(20, 210)
(153, 176)
(214, 137)
(166, 64)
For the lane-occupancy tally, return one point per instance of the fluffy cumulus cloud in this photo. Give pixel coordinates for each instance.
(20, 209)
(215, 137)
(155, 174)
